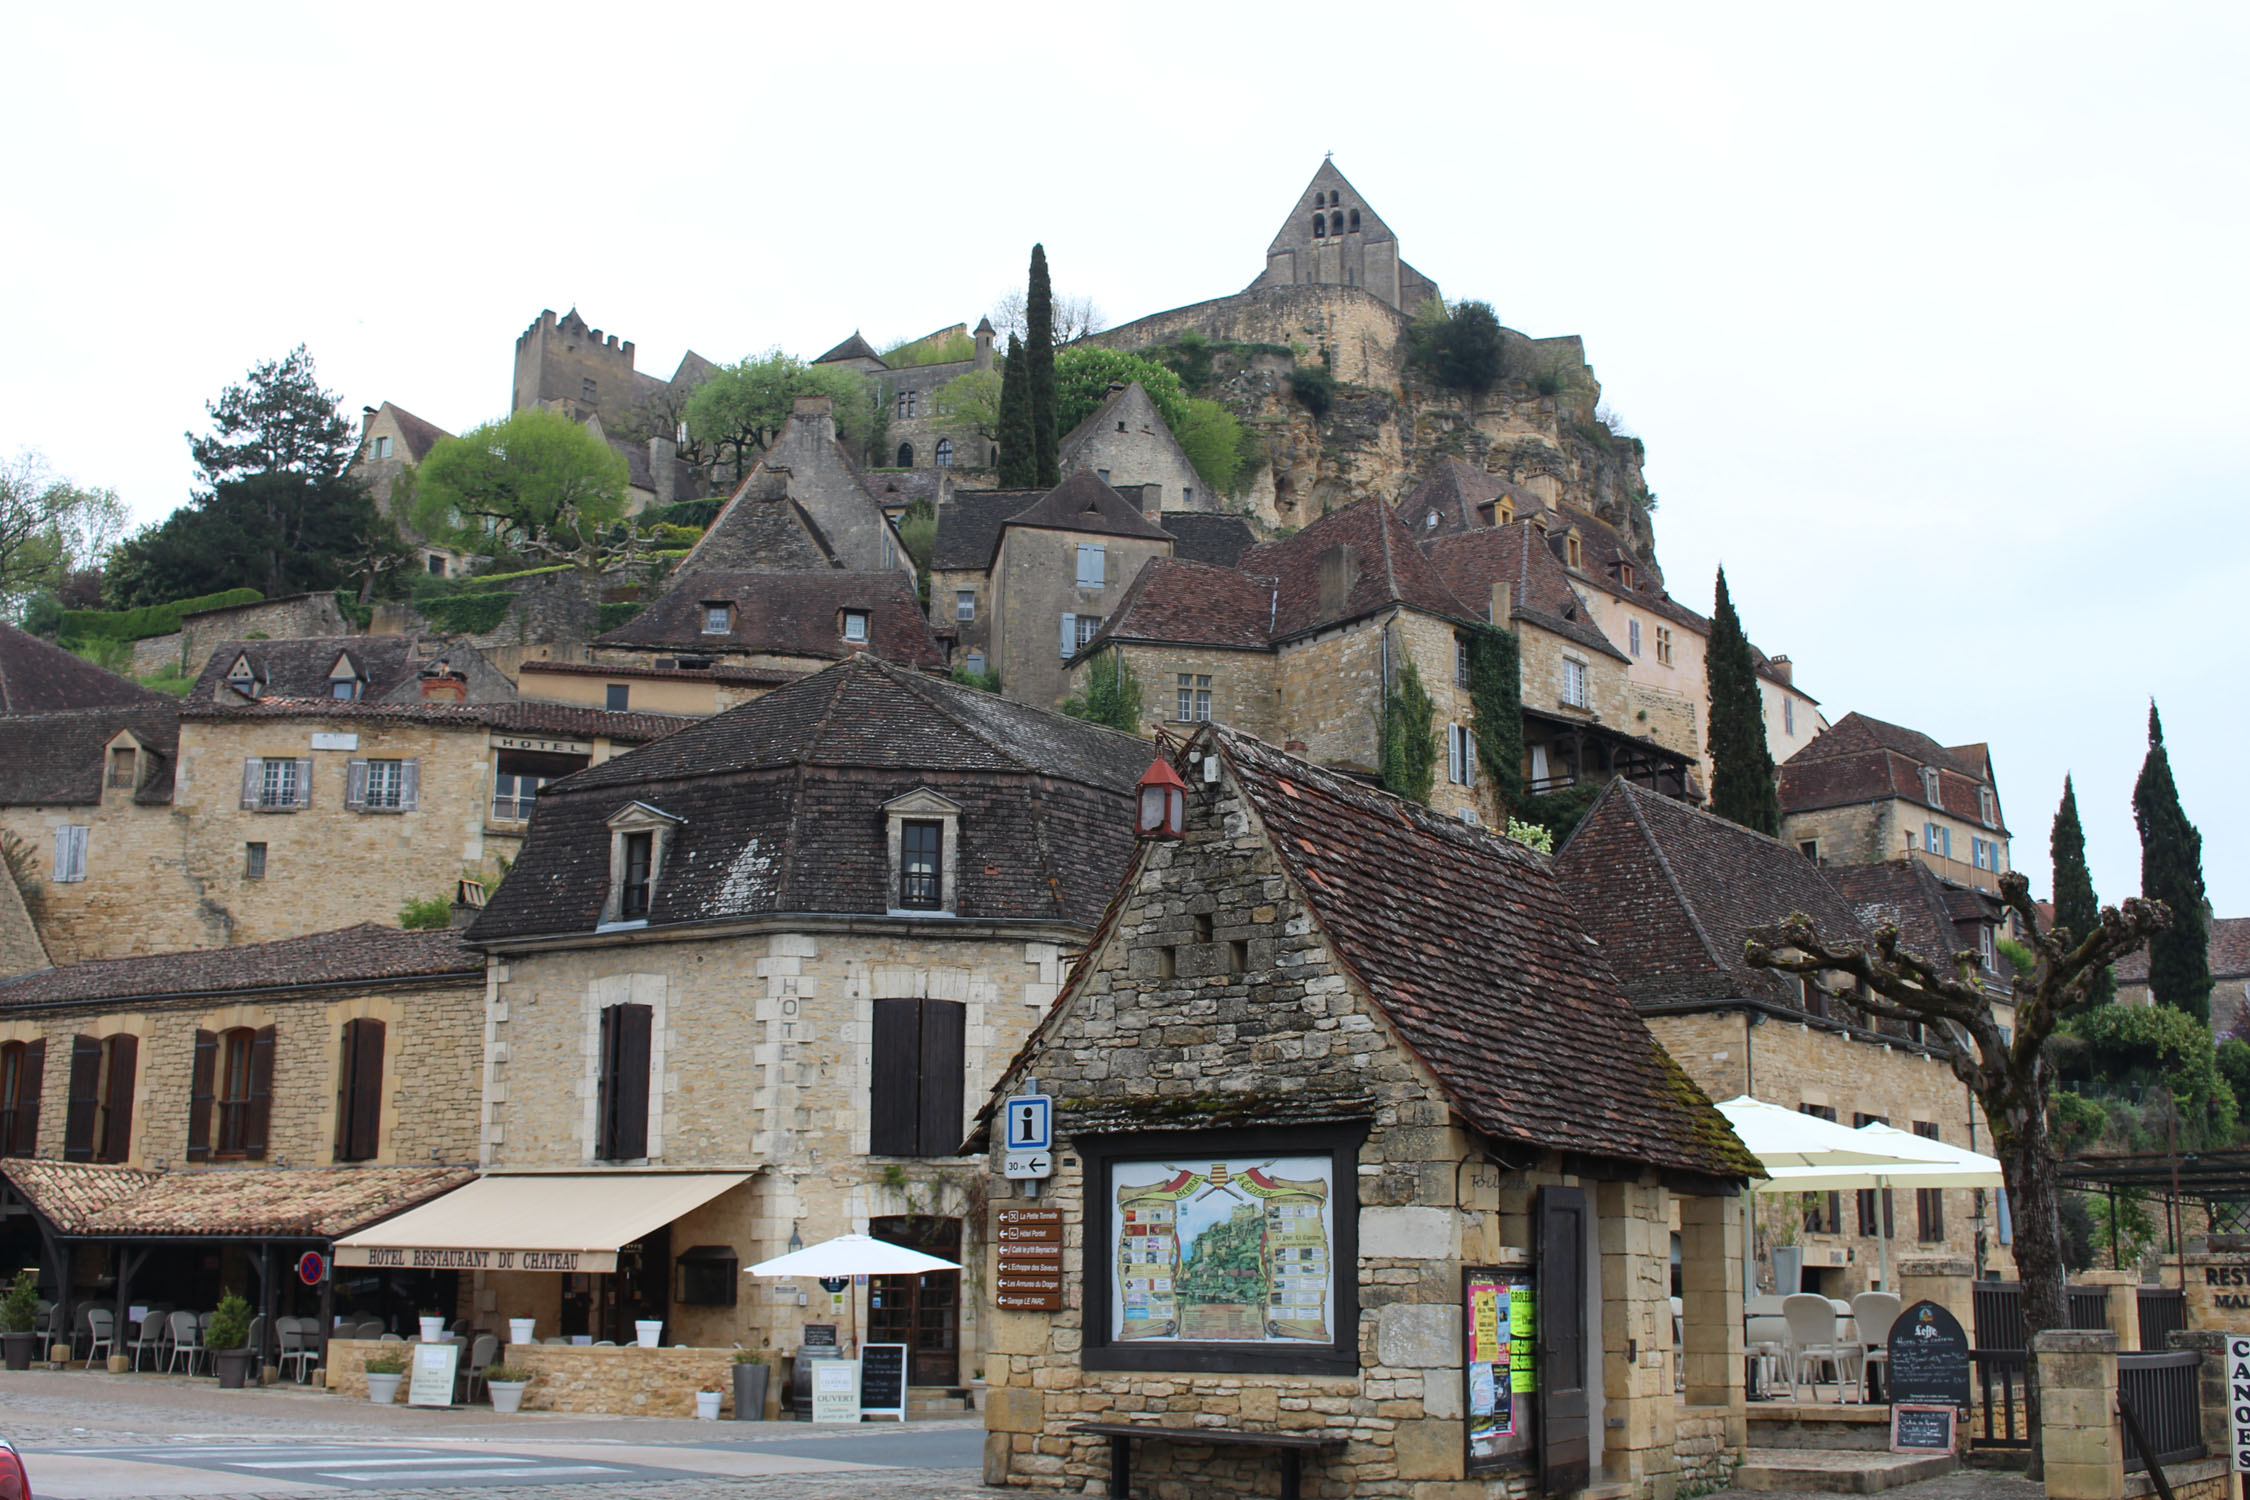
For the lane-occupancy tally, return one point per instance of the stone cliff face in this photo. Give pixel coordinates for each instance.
(1388, 423)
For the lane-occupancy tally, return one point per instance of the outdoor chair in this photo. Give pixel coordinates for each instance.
(149, 1336)
(605, 1343)
(299, 1346)
(81, 1326)
(1766, 1338)
(186, 1339)
(392, 1338)
(1812, 1340)
(101, 1334)
(1873, 1313)
(480, 1356)
(256, 1343)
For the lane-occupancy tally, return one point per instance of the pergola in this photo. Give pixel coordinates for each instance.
(2220, 1179)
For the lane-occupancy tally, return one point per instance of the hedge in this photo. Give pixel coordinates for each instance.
(614, 615)
(148, 620)
(467, 614)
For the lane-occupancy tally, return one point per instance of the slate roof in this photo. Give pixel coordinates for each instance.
(420, 436)
(36, 677)
(781, 800)
(1201, 536)
(968, 527)
(56, 759)
(1929, 912)
(365, 953)
(1191, 603)
(299, 668)
(1082, 502)
(765, 534)
(640, 468)
(1390, 568)
(83, 1198)
(1457, 491)
(2229, 951)
(1540, 590)
(1469, 944)
(1859, 759)
(1672, 894)
(854, 347)
(785, 614)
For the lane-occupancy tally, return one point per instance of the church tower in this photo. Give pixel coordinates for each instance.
(1332, 238)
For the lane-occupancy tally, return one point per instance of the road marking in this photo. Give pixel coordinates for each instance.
(541, 1470)
(334, 1461)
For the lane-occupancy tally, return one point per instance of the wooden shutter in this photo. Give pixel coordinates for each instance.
(200, 1088)
(629, 1082)
(359, 1107)
(945, 1029)
(253, 780)
(124, 1060)
(85, 1081)
(304, 782)
(1069, 636)
(409, 785)
(355, 784)
(26, 1139)
(1565, 1450)
(257, 1114)
(893, 1101)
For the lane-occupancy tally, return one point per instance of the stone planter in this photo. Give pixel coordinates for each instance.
(383, 1389)
(433, 1330)
(18, 1348)
(707, 1405)
(523, 1330)
(648, 1331)
(233, 1365)
(507, 1395)
(750, 1391)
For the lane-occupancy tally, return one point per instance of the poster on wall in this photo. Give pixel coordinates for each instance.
(1495, 1336)
(1233, 1251)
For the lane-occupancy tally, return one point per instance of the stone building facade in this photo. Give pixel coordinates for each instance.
(1126, 444)
(1059, 569)
(920, 433)
(1333, 238)
(188, 648)
(1267, 1045)
(2229, 957)
(563, 365)
(1866, 792)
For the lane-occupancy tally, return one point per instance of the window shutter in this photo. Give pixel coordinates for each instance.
(199, 1094)
(253, 775)
(70, 852)
(605, 1082)
(355, 785)
(1565, 1450)
(1468, 756)
(409, 784)
(359, 1110)
(257, 1114)
(630, 1092)
(1069, 635)
(85, 1078)
(893, 1101)
(945, 1025)
(26, 1142)
(124, 1060)
(304, 782)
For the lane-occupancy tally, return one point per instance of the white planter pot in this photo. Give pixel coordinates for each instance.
(707, 1406)
(648, 1331)
(523, 1330)
(976, 1394)
(507, 1395)
(383, 1389)
(433, 1330)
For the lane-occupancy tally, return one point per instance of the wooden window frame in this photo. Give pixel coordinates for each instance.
(913, 873)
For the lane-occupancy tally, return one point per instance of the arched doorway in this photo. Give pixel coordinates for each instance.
(906, 455)
(922, 1312)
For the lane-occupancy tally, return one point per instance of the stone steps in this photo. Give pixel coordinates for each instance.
(1841, 1471)
(935, 1400)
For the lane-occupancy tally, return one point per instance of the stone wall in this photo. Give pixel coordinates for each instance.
(1242, 687)
(1707, 1455)
(297, 617)
(1034, 583)
(631, 1382)
(1130, 446)
(138, 895)
(1666, 716)
(1364, 336)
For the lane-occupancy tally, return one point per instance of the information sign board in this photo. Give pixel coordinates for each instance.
(835, 1390)
(1498, 1429)
(1030, 1123)
(882, 1381)
(1030, 1242)
(1922, 1429)
(2238, 1400)
(431, 1383)
(1929, 1358)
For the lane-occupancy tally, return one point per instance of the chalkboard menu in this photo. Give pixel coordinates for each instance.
(1929, 1358)
(1922, 1429)
(882, 1380)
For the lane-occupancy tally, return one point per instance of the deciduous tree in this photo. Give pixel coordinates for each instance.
(1742, 785)
(734, 416)
(533, 483)
(970, 403)
(51, 531)
(1460, 346)
(2179, 960)
(2076, 909)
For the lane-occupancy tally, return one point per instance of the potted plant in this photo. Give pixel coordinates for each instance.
(750, 1375)
(646, 1332)
(523, 1330)
(977, 1389)
(707, 1404)
(228, 1338)
(433, 1326)
(19, 1315)
(505, 1384)
(384, 1372)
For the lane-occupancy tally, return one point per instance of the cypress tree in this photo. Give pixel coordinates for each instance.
(2179, 958)
(2075, 905)
(1039, 350)
(1018, 465)
(1742, 785)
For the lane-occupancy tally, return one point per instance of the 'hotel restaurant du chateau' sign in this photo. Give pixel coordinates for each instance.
(448, 1258)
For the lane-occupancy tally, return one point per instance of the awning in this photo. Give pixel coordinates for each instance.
(533, 1221)
(89, 1200)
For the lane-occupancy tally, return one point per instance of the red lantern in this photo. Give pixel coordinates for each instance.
(1163, 802)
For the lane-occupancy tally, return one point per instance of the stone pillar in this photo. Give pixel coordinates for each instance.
(2217, 1286)
(1711, 1304)
(1943, 1279)
(1632, 1224)
(2080, 1432)
(2124, 1304)
(2217, 1391)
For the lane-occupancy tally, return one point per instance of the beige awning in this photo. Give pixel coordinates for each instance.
(533, 1221)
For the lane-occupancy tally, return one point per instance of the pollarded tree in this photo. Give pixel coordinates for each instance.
(2075, 905)
(534, 483)
(2004, 1063)
(2179, 961)
(1742, 786)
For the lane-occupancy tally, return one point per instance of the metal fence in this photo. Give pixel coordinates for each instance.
(1998, 1416)
(2160, 1392)
(1996, 1307)
(2163, 1313)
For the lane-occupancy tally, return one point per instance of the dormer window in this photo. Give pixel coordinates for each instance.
(718, 617)
(1988, 813)
(855, 626)
(923, 837)
(1625, 575)
(1572, 552)
(1507, 512)
(1429, 522)
(344, 680)
(640, 841)
(124, 767)
(242, 677)
(640, 875)
(1930, 786)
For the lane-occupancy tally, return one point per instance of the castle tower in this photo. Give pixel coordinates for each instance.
(1333, 238)
(566, 366)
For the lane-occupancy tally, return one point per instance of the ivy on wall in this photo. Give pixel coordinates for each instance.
(1496, 695)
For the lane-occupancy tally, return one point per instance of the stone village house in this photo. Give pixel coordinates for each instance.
(1865, 792)
(1338, 1082)
(749, 984)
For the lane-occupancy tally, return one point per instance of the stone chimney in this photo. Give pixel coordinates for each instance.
(812, 425)
(1152, 501)
(663, 468)
(441, 684)
(1780, 666)
(1503, 604)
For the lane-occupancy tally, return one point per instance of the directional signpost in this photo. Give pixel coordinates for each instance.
(1030, 1245)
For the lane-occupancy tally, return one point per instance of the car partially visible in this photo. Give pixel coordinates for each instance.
(14, 1483)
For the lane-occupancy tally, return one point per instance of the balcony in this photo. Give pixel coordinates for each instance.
(1960, 871)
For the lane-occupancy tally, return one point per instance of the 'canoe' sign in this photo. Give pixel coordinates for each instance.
(454, 1258)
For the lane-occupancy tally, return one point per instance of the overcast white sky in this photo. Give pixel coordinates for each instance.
(1931, 316)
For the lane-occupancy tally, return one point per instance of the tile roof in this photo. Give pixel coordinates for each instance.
(640, 468)
(1859, 759)
(1672, 894)
(420, 436)
(785, 614)
(1205, 537)
(1082, 502)
(528, 718)
(36, 677)
(1456, 491)
(366, 953)
(781, 800)
(854, 347)
(82, 1198)
(968, 527)
(770, 676)
(2229, 951)
(1387, 569)
(1468, 943)
(299, 668)
(1191, 603)
(762, 533)
(56, 759)
(1539, 586)
(1928, 912)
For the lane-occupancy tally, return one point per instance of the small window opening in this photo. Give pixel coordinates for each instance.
(1203, 927)
(1355, 218)
(855, 625)
(1167, 963)
(1238, 955)
(253, 861)
(640, 855)
(122, 763)
(617, 695)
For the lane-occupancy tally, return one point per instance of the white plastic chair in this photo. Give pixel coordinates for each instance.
(101, 1332)
(186, 1338)
(481, 1353)
(1812, 1339)
(299, 1345)
(1873, 1313)
(1766, 1337)
(148, 1337)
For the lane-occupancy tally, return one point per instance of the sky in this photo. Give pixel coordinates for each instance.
(1931, 316)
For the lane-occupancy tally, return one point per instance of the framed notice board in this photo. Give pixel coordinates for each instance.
(882, 1380)
(1923, 1429)
(835, 1390)
(431, 1383)
(1497, 1368)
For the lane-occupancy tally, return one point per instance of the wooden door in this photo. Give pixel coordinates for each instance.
(923, 1312)
(1565, 1449)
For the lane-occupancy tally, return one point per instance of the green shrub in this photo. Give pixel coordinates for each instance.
(433, 915)
(19, 1305)
(384, 1364)
(1459, 347)
(467, 614)
(1111, 696)
(150, 619)
(1409, 743)
(230, 1323)
(614, 615)
(508, 1374)
(1314, 387)
(984, 681)
(696, 513)
(1558, 811)
(749, 1357)
(178, 684)
(361, 615)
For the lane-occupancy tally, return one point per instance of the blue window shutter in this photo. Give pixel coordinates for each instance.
(1069, 635)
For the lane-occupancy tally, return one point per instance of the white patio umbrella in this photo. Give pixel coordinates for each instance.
(850, 1255)
(1920, 1163)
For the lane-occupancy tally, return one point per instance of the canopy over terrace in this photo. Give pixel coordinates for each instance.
(138, 1211)
(534, 1221)
(2219, 1179)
